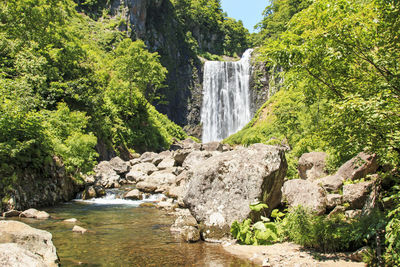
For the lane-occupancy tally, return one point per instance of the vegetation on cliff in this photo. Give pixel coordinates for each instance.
(64, 90)
(338, 64)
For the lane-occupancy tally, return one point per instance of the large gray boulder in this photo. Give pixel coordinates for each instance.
(35, 214)
(36, 241)
(358, 167)
(220, 190)
(312, 165)
(357, 194)
(106, 176)
(148, 157)
(331, 183)
(298, 192)
(119, 166)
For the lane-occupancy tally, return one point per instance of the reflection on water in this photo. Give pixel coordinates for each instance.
(125, 235)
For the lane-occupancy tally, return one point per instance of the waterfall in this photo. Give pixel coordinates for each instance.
(226, 97)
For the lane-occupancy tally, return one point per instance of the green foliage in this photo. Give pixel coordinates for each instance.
(63, 88)
(205, 24)
(260, 233)
(392, 255)
(332, 233)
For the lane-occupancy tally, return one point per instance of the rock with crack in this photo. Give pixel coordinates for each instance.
(357, 194)
(106, 176)
(220, 190)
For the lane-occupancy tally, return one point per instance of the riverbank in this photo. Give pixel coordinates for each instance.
(289, 255)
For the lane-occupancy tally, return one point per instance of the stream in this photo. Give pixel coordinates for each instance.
(122, 233)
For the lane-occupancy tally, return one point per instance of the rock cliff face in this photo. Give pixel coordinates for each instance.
(156, 23)
(34, 189)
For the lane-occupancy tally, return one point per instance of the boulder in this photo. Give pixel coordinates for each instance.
(357, 194)
(164, 177)
(304, 193)
(161, 156)
(331, 183)
(166, 163)
(136, 176)
(14, 255)
(89, 179)
(119, 166)
(190, 234)
(134, 161)
(38, 242)
(34, 213)
(11, 213)
(134, 194)
(333, 200)
(106, 176)
(312, 165)
(146, 168)
(337, 210)
(358, 167)
(148, 157)
(78, 229)
(146, 187)
(220, 190)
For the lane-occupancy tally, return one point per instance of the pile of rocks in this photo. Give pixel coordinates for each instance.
(215, 182)
(343, 191)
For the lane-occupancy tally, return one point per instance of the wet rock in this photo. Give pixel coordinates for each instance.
(356, 194)
(312, 165)
(190, 234)
(79, 229)
(146, 168)
(11, 213)
(38, 242)
(136, 176)
(100, 191)
(72, 220)
(227, 183)
(119, 166)
(12, 254)
(359, 166)
(34, 213)
(333, 200)
(304, 193)
(147, 205)
(89, 193)
(134, 195)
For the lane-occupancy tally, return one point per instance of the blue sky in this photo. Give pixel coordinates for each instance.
(249, 11)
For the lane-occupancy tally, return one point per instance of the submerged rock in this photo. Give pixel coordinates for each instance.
(34, 213)
(78, 229)
(72, 220)
(220, 190)
(38, 242)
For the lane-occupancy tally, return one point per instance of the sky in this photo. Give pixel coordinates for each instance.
(249, 11)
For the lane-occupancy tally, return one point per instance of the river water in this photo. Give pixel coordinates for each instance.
(121, 233)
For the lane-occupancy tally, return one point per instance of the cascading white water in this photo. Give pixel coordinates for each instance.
(226, 98)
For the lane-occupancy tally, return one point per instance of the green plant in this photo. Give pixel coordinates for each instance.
(260, 233)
